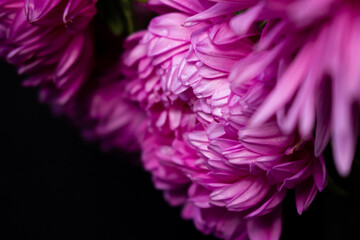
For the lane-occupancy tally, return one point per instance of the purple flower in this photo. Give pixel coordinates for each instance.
(230, 176)
(50, 42)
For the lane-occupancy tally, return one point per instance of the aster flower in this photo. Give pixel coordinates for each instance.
(315, 85)
(50, 42)
(231, 177)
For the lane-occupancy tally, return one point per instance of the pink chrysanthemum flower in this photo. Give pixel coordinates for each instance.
(50, 42)
(199, 148)
(313, 46)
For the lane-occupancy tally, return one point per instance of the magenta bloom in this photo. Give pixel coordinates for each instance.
(230, 177)
(50, 42)
(313, 46)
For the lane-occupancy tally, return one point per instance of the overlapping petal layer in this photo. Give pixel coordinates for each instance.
(51, 42)
(313, 45)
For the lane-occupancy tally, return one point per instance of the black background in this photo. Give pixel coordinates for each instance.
(53, 185)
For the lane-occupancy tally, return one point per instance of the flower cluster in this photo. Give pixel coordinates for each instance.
(221, 97)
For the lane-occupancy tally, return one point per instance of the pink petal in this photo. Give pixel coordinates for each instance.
(319, 173)
(35, 10)
(344, 127)
(286, 86)
(305, 194)
(266, 227)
